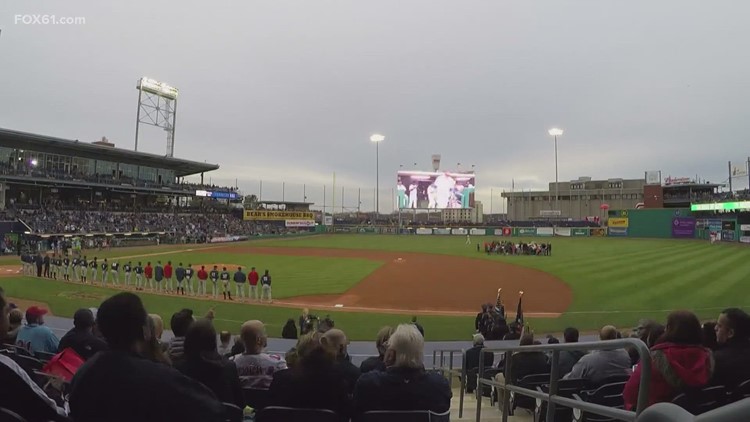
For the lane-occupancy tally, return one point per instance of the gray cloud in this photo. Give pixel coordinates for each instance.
(291, 90)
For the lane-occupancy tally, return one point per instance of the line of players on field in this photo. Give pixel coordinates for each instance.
(85, 271)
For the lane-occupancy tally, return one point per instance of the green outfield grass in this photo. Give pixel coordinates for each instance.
(615, 281)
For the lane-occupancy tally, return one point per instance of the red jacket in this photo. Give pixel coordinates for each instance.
(167, 271)
(148, 271)
(673, 367)
(252, 278)
(202, 274)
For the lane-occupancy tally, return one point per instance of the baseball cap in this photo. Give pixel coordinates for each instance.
(36, 311)
(83, 318)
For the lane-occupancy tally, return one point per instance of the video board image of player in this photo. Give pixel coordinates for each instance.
(434, 190)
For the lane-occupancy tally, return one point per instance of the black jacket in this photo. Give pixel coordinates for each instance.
(220, 377)
(19, 396)
(472, 358)
(402, 389)
(289, 331)
(84, 342)
(568, 358)
(529, 363)
(732, 364)
(373, 363)
(351, 373)
(120, 386)
(325, 387)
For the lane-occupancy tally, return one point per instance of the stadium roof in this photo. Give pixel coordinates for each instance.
(42, 143)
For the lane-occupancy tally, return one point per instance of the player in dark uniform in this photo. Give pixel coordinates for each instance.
(214, 276)
(138, 276)
(115, 273)
(225, 283)
(105, 272)
(94, 267)
(189, 279)
(84, 265)
(127, 268)
(74, 267)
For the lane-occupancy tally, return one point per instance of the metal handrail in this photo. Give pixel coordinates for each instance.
(551, 397)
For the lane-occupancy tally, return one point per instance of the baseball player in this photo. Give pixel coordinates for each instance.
(105, 272)
(149, 273)
(239, 283)
(252, 278)
(66, 268)
(158, 275)
(59, 267)
(139, 285)
(265, 281)
(202, 277)
(115, 273)
(127, 268)
(168, 276)
(83, 266)
(225, 283)
(74, 268)
(53, 267)
(468, 239)
(179, 274)
(214, 275)
(189, 279)
(93, 266)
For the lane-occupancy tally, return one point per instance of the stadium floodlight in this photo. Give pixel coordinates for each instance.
(158, 88)
(157, 106)
(556, 132)
(34, 162)
(377, 138)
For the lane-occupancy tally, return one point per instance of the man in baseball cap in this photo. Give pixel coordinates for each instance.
(34, 336)
(81, 337)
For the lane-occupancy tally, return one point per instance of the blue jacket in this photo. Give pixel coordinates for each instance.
(179, 273)
(402, 389)
(239, 277)
(158, 273)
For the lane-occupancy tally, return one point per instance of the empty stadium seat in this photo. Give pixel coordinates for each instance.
(255, 397)
(291, 414)
(7, 415)
(609, 395)
(531, 382)
(702, 400)
(565, 388)
(232, 413)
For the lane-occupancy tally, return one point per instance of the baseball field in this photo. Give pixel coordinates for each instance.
(367, 281)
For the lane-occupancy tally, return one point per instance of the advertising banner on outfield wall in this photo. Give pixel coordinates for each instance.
(442, 231)
(545, 231)
(264, 215)
(478, 232)
(524, 231)
(507, 231)
(424, 231)
(580, 232)
(299, 223)
(599, 232)
(562, 231)
(460, 232)
(618, 231)
(727, 235)
(683, 227)
(744, 239)
(618, 222)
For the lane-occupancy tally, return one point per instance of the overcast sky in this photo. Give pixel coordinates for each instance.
(291, 90)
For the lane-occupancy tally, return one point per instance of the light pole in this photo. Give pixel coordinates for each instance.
(377, 138)
(556, 132)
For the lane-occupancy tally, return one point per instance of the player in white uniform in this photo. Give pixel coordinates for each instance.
(443, 186)
(468, 239)
(413, 195)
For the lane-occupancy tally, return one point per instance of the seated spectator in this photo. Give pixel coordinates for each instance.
(256, 368)
(732, 357)
(158, 330)
(180, 323)
(120, 385)
(81, 337)
(335, 340)
(599, 365)
(376, 363)
(34, 336)
(709, 335)
(225, 343)
(528, 363)
(405, 385)
(203, 363)
(678, 361)
(290, 330)
(16, 322)
(153, 349)
(472, 361)
(19, 393)
(568, 358)
(313, 382)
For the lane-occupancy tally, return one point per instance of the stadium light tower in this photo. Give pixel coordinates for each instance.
(157, 106)
(377, 139)
(556, 132)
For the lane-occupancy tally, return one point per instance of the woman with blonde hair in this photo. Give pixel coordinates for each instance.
(376, 363)
(154, 350)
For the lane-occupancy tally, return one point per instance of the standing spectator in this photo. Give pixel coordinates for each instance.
(35, 337)
(568, 358)
(81, 337)
(20, 393)
(678, 361)
(239, 283)
(599, 365)
(180, 323)
(204, 364)
(335, 340)
(377, 363)
(265, 282)
(15, 318)
(135, 387)
(256, 368)
(405, 385)
(732, 356)
(252, 279)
